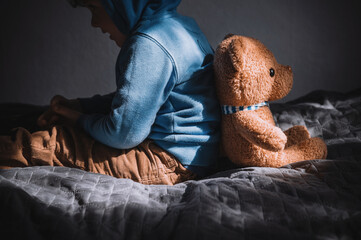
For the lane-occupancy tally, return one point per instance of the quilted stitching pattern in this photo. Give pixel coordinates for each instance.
(318, 199)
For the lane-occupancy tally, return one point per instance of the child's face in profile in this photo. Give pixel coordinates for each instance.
(101, 19)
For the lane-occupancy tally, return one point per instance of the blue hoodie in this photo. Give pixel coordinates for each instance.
(165, 90)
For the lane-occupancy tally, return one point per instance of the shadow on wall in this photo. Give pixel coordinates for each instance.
(49, 48)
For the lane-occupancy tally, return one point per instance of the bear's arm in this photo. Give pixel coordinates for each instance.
(258, 131)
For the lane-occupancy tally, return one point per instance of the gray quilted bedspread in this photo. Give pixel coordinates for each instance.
(317, 199)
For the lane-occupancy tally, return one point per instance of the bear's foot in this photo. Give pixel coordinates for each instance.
(296, 134)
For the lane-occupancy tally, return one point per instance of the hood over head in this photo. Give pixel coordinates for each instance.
(127, 13)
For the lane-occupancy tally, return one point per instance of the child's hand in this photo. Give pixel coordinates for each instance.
(51, 117)
(70, 116)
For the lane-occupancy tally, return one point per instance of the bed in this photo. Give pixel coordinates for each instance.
(316, 199)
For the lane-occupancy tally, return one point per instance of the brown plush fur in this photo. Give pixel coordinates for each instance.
(250, 138)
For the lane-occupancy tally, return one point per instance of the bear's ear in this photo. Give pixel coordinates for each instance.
(228, 36)
(236, 51)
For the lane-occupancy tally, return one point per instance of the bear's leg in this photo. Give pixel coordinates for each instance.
(260, 157)
(254, 156)
(312, 148)
(296, 134)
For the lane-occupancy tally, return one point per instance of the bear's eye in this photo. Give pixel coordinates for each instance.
(272, 72)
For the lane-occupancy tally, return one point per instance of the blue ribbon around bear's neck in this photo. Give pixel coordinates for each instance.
(233, 109)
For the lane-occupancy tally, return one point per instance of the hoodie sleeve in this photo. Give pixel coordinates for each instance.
(145, 77)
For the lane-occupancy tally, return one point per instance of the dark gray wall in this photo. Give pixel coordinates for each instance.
(48, 48)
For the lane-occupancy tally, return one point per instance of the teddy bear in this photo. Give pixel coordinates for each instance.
(247, 77)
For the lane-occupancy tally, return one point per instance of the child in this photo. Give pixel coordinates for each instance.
(160, 126)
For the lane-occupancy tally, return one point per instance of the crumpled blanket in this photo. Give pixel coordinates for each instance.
(317, 199)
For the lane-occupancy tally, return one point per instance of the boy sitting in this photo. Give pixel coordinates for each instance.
(160, 126)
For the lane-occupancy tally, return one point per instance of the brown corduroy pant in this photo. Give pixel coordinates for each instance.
(71, 147)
